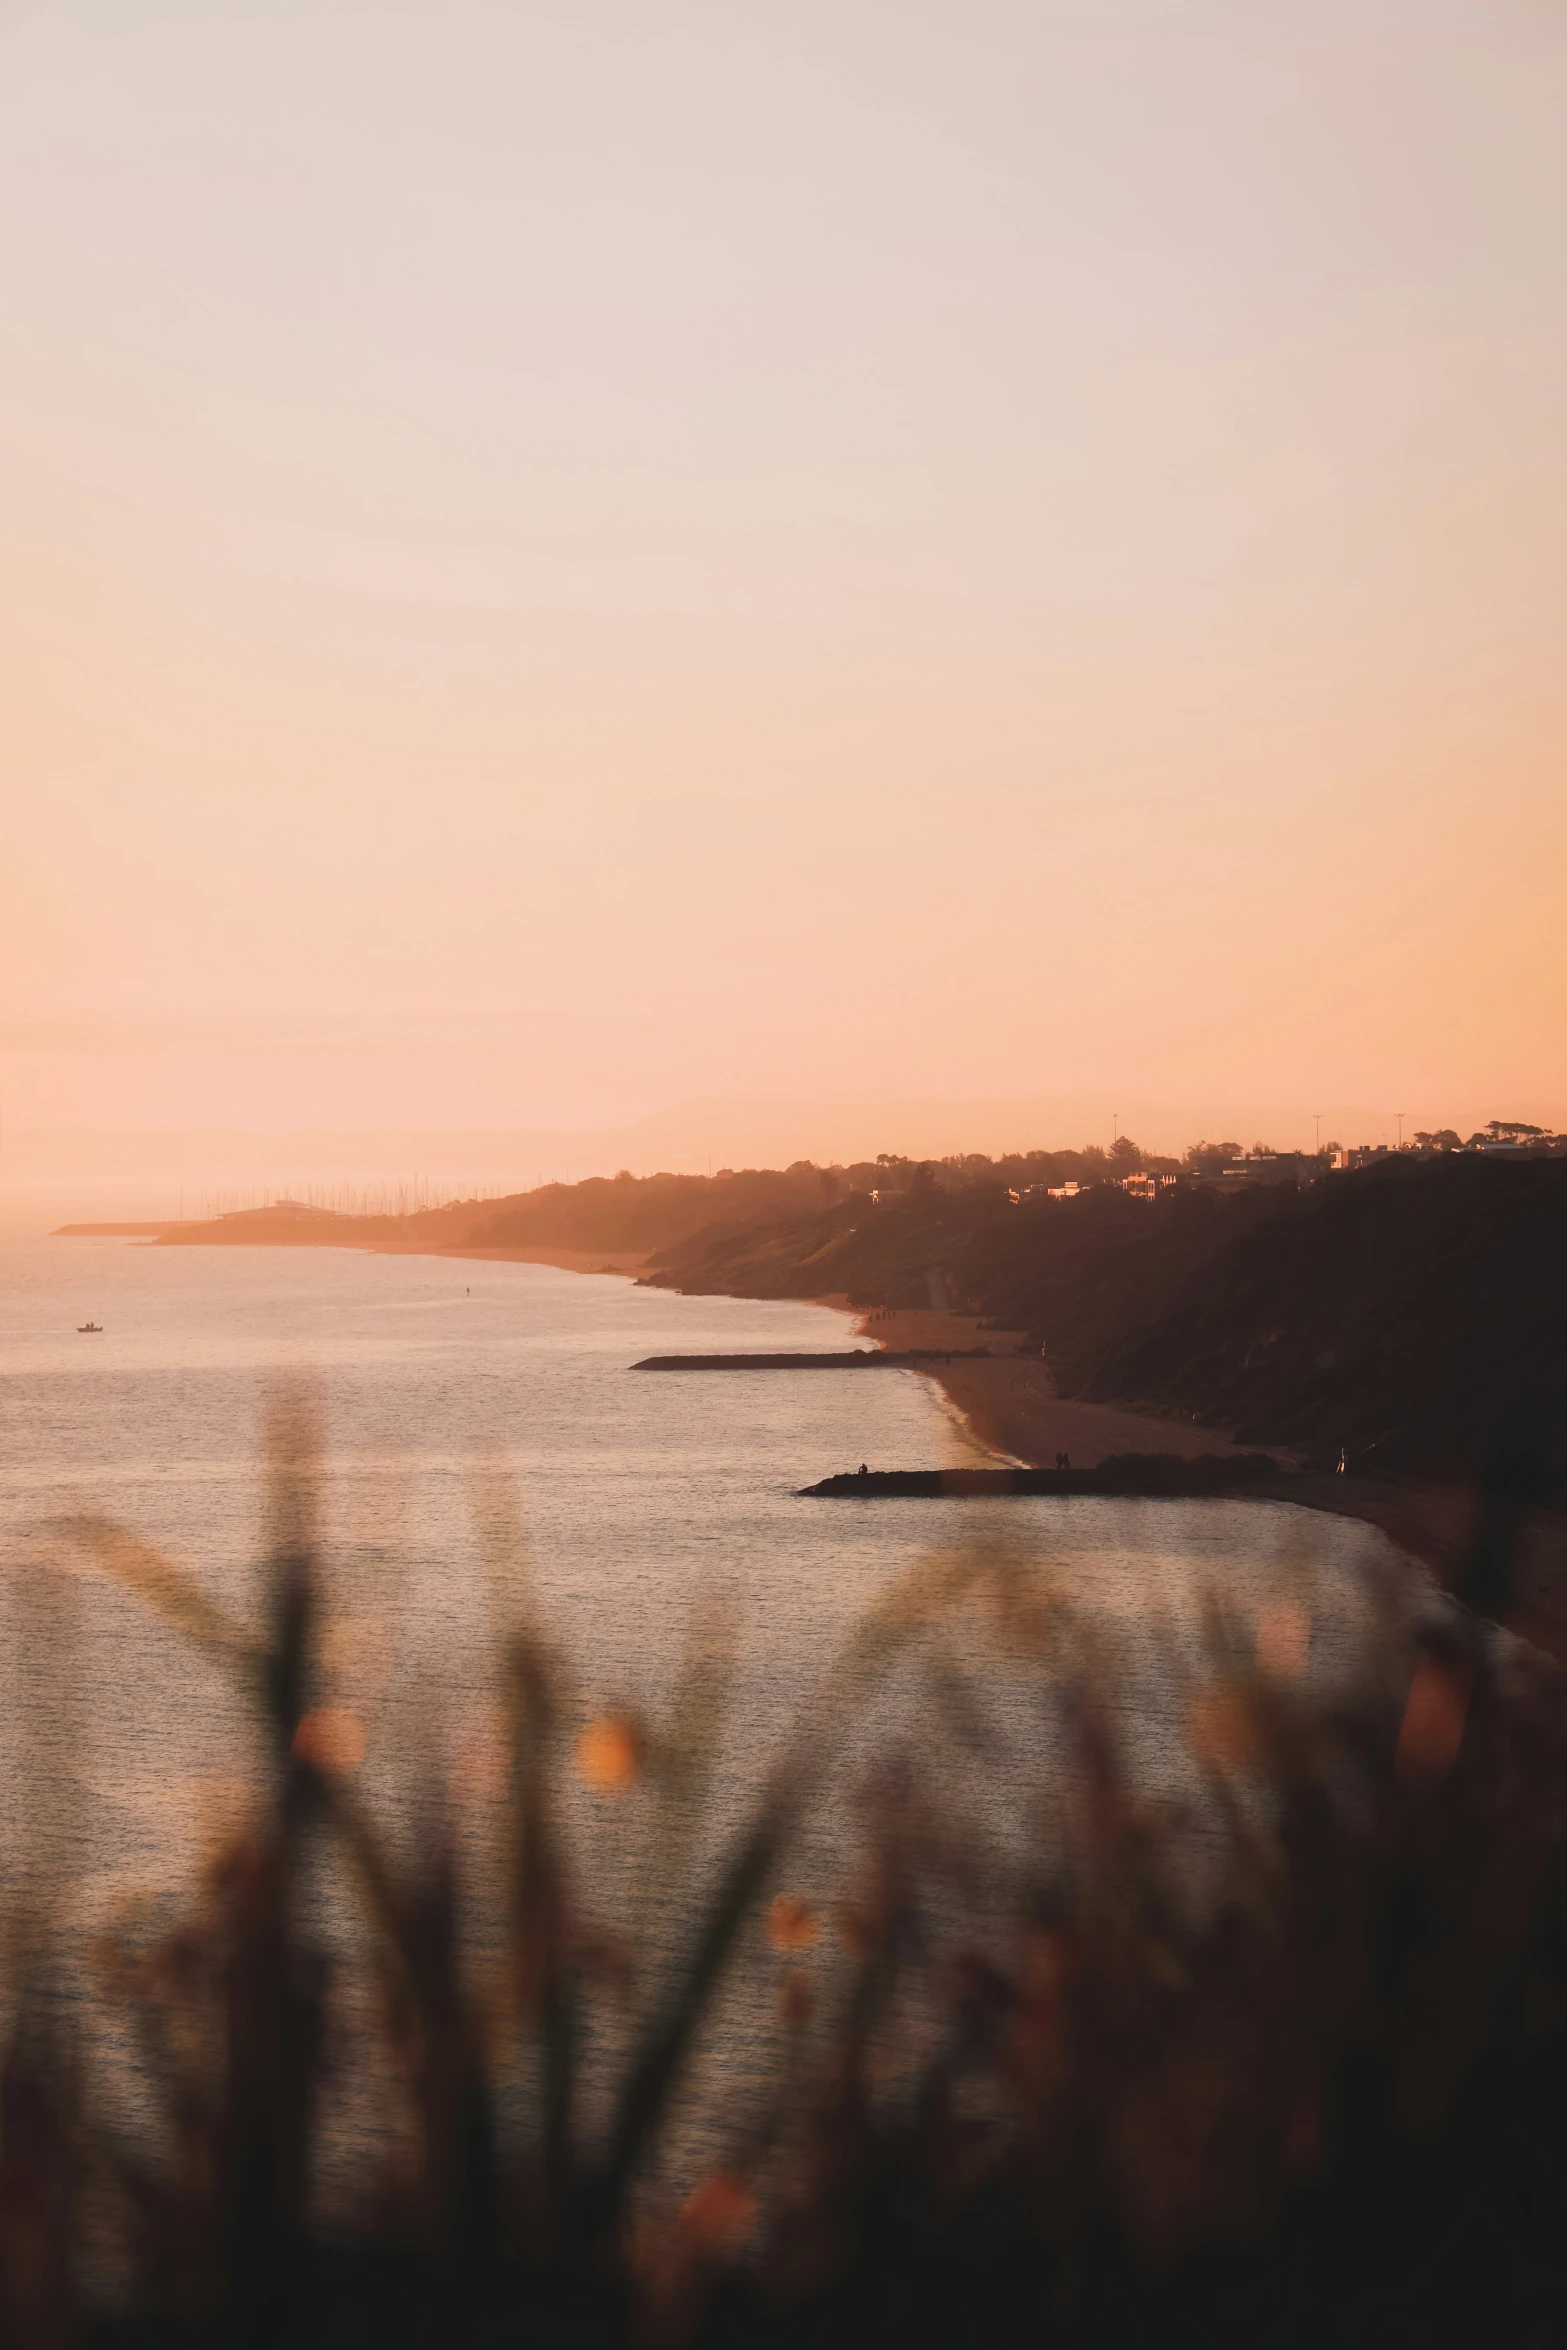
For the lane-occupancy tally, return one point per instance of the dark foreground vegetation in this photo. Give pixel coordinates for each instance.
(1411, 1314)
(1325, 2102)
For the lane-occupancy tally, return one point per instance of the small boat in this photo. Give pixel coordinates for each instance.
(82, 1328)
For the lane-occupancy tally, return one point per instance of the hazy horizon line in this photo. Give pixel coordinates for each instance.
(155, 1169)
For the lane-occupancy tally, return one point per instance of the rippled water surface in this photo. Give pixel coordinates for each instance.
(640, 1494)
(637, 1491)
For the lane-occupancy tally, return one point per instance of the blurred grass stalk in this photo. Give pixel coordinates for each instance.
(1333, 2099)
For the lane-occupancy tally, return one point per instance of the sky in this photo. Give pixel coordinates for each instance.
(556, 561)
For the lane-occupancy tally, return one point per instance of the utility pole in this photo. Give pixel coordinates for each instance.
(1400, 1117)
(1317, 1115)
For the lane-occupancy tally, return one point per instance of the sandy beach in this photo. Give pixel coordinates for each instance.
(1010, 1403)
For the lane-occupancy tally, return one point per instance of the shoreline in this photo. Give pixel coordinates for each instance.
(1010, 1406)
(1008, 1409)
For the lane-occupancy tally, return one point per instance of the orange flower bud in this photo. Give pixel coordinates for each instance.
(330, 1739)
(609, 1753)
(720, 2213)
(792, 1924)
(1433, 1727)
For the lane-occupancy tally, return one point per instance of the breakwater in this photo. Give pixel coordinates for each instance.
(1155, 1475)
(855, 1358)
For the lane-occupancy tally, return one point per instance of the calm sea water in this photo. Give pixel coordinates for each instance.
(641, 1497)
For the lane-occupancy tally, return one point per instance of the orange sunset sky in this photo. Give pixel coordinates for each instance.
(557, 559)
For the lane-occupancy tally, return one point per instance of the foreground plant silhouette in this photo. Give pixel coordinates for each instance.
(1041, 2095)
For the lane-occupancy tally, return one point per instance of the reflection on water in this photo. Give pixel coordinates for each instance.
(637, 1495)
(686, 1593)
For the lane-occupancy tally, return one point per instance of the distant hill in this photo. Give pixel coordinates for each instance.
(646, 1213)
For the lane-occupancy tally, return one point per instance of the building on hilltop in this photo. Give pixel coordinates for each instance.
(1149, 1187)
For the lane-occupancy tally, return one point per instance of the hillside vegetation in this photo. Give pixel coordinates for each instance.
(1414, 1314)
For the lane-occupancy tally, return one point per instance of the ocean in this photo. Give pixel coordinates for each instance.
(453, 1397)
